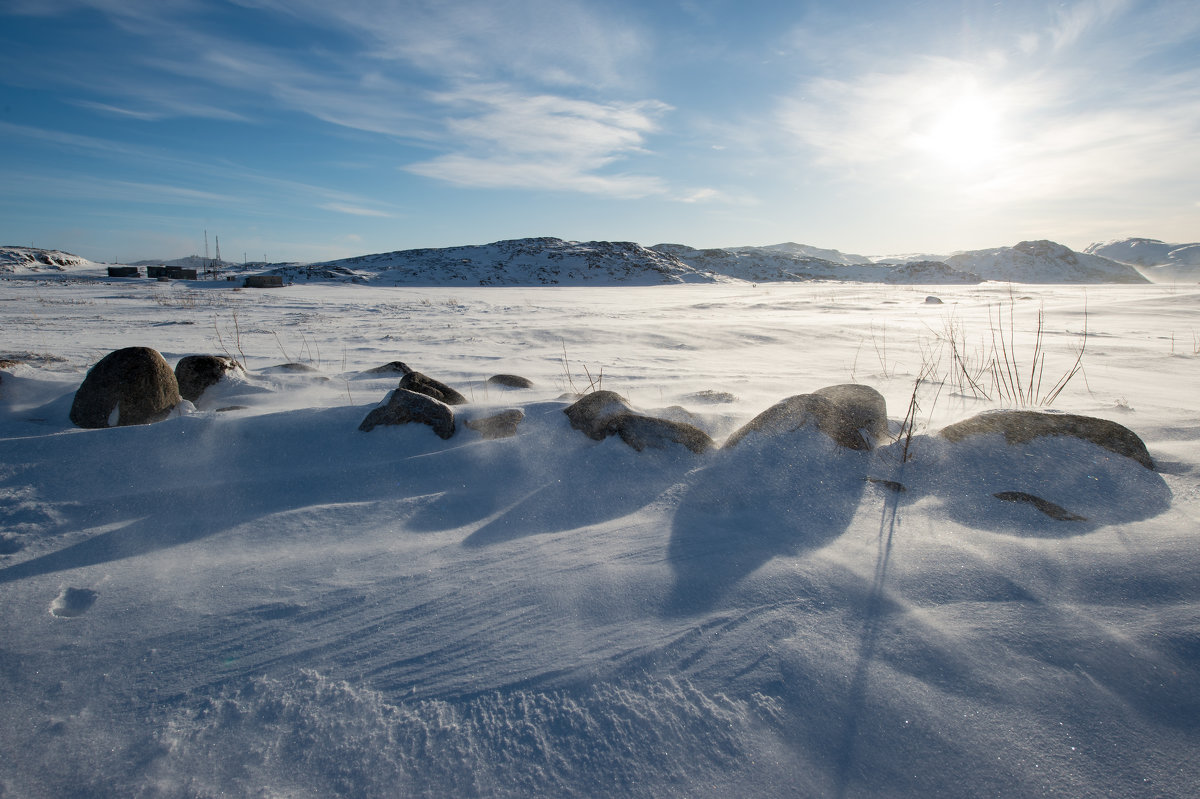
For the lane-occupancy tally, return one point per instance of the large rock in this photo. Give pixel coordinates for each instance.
(840, 422)
(194, 373)
(861, 407)
(422, 384)
(408, 407)
(605, 413)
(129, 386)
(1019, 427)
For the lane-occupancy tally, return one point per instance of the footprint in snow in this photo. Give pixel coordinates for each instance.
(72, 602)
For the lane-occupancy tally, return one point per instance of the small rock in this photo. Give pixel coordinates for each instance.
(800, 411)
(391, 368)
(931, 300)
(862, 408)
(1045, 506)
(595, 413)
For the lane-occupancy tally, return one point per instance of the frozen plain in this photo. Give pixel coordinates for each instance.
(268, 602)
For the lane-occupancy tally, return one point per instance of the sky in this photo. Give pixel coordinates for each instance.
(306, 130)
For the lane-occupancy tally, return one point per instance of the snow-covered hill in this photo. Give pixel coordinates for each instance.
(517, 262)
(1157, 260)
(808, 251)
(32, 259)
(764, 264)
(1043, 262)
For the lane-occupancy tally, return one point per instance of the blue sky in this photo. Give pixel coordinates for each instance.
(311, 129)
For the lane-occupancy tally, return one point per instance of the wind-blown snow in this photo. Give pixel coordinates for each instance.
(1156, 259)
(266, 601)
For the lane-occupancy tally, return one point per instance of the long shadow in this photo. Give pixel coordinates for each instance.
(759, 500)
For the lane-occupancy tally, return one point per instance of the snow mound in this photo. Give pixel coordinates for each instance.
(1043, 262)
(516, 262)
(17, 260)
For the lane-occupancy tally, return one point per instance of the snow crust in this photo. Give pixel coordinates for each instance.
(265, 601)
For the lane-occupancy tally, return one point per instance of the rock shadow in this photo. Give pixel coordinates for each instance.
(767, 497)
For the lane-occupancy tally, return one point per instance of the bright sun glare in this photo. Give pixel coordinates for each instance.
(965, 135)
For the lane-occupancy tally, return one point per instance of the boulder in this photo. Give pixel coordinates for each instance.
(1020, 426)
(862, 408)
(422, 384)
(128, 386)
(510, 381)
(408, 407)
(596, 413)
(498, 425)
(391, 368)
(601, 414)
(194, 373)
(641, 432)
(802, 410)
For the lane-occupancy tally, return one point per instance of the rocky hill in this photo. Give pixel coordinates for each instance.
(791, 262)
(1157, 260)
(1043, 262)
(517, 262)
(16, 260)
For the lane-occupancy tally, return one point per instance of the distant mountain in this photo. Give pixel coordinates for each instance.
(188, 262)
(808, 251)
(1155, 259)
(14, 260)
(765, 264)
(1043, 262)
(517, 262)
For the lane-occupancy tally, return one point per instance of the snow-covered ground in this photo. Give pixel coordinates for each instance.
(269, 602)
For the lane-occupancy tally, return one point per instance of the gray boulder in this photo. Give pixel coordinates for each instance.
(641, 432)
(510, 381)
(601, 414)
(497, 425)
(1019, 427)
(422, 384)
(390, 368)
(861, 407)
(126, 387)
(409, 407)
(194, 373)
(803, 410)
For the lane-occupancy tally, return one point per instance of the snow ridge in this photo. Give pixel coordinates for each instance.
(1043, 262)
(1157, 260)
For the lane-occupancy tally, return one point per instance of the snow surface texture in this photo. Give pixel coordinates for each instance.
(268, 602)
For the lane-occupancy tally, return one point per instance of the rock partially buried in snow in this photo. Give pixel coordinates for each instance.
(195, 373)
(510, 381)
(1019, 427)
(422, 384)
(390, 368)
(594, 414)
(932, 300)
(497, 425)
(861, 407)
(126, 387)
(601, 414)
(642, 432)
(407, 407)
(841, 412)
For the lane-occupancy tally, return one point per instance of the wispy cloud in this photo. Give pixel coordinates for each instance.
(508, 139)
(355, 210)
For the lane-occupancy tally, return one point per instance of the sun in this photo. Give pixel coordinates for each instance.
(965, 135)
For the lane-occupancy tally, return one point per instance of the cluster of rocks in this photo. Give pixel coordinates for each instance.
(136, 386)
